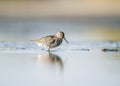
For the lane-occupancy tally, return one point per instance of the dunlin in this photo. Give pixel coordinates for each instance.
(51, 41)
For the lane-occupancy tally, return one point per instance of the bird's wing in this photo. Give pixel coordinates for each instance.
(47, 40)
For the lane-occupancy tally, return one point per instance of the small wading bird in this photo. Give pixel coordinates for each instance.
(51, 41)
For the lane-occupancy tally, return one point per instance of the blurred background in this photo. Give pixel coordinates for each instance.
(81, 20)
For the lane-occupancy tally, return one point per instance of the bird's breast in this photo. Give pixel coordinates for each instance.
(59, 41)
(56, 43)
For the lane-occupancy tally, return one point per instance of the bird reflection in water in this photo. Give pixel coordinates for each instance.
(51, 60)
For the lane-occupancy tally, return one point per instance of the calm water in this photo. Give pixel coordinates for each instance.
(86, 68)
(76, 64)
(80, 63)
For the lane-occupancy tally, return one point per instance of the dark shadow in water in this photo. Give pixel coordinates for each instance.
(51, 60)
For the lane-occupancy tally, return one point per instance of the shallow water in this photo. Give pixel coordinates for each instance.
(24, 63)
(86, 68)
(30, 47)
(92, 57)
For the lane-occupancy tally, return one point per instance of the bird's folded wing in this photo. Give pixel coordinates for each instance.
(46, 40)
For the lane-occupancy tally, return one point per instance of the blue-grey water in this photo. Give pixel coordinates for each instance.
(66, 68)
(74, 29)
(92, 57)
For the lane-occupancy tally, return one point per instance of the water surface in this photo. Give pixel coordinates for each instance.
(86, 68)
(92, 57)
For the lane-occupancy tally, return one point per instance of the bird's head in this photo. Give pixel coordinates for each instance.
(61, 35)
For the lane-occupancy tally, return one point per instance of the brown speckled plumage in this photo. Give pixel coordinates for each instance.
(51, 41)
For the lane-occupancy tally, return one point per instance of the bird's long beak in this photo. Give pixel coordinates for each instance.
(65, 40)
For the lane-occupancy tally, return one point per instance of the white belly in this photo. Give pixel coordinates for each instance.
(39, 44)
